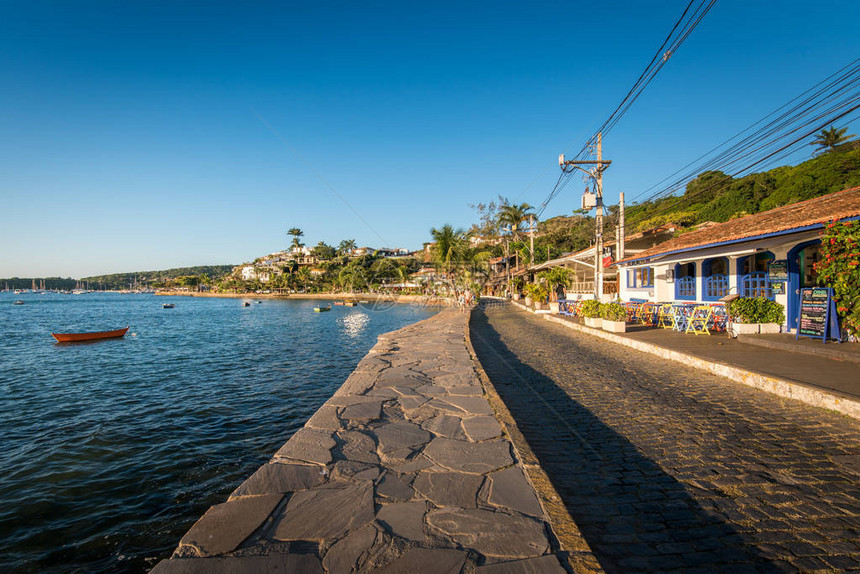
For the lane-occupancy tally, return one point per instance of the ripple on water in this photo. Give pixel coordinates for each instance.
(113, 449)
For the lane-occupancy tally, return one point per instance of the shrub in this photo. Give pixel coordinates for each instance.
(613, 312)
(839, 268)
(756, 310)
(535, 291)
(590, 308)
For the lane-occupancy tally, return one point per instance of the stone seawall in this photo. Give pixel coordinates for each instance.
(405, 469)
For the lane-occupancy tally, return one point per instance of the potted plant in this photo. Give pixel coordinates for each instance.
(555, 278)
(517, 284)
(590, 311)
(754, 315)
(614, 317)
(535, 293)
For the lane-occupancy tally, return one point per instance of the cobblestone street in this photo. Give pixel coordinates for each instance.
(666, 467)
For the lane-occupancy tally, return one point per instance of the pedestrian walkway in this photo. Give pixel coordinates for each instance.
(769, 362)
(667, 468)
(404, 469)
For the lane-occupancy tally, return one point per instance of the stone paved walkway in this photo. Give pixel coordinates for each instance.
(404, 469)
(665, 467)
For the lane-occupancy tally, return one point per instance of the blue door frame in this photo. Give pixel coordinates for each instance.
(793, 290)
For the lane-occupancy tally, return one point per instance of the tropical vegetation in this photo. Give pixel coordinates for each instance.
(839, 268)
(756, 310)
(828, 140)
(613, 312)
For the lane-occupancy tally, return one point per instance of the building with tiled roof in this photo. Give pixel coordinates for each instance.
(767, 254)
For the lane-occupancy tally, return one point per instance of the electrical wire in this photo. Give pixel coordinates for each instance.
(689, 20)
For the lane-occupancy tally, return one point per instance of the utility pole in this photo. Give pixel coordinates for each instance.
(621, 230)
(598, 190)
(597, 175)
(532, 239)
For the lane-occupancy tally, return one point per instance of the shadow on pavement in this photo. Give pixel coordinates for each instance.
(635, 516)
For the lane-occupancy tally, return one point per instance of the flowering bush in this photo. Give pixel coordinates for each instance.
(839, 268)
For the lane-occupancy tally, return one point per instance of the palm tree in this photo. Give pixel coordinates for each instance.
(296, 233)
(513, 215)
(449, 244)
(346, 246)
(827, 140)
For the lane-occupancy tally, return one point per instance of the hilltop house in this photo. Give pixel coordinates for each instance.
(769, 254)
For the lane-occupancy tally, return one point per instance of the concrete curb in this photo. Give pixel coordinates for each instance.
(574, 548)
(777, 386)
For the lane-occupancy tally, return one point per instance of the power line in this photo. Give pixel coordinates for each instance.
(824, 103)
(682, 29)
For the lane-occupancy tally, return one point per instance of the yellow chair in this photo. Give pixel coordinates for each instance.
(699, 320)
(666, 317)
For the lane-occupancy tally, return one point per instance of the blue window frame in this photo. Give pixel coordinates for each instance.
(753, 276)
(716, 274)
(756, 284)
(685, 281)
(640, 278)
(645, 276)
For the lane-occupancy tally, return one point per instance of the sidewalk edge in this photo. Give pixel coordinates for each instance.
(574, 548)
(784, 388)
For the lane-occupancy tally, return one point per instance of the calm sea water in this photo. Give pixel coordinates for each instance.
(112, 449)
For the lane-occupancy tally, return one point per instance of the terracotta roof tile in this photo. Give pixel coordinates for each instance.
(819, 210)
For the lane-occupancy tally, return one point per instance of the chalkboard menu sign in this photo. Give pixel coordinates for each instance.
(817, 316)
(778, 271)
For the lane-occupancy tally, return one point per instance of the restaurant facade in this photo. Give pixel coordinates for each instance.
(770, 254)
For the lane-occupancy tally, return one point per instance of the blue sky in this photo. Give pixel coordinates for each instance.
(136, 135)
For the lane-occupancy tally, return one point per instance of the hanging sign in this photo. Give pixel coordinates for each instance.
(816, 316)
(778, 271)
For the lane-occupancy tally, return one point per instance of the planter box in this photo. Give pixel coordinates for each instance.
(769, 328)
(528, 301)
(745, 329)
(614, 326)
(554, 307)
(516, 296)
(595, 322)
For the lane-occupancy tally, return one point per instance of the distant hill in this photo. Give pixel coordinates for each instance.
(156, 278)
(51, 283)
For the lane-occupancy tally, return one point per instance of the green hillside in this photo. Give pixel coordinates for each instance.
(714, 196)
(158, 278)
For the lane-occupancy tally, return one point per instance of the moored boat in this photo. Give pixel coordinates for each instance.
(18, 302)
(77, 337)
(168, 305)
(350, 303)
(322, 308)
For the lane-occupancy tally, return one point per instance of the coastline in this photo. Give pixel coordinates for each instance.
(405, 468)
(436, 301)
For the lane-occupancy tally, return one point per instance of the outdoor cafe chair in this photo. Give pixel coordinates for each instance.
(666, 317)
(680, 313)
(633, 310)
(648, 314)
(699, 320)
(719, 317)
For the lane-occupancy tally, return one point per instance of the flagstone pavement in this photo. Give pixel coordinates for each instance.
(404, 469)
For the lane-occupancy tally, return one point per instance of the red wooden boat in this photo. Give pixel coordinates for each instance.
(75, 337)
